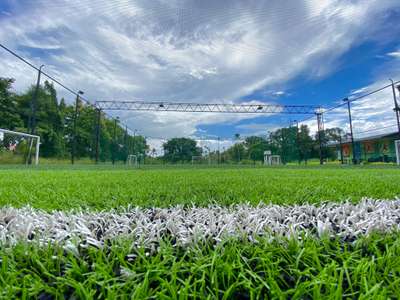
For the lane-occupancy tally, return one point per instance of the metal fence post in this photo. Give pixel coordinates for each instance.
(32, 119)
(396, 106)
(351, 131)
(73, 152)
(320, 123)
(98, 124)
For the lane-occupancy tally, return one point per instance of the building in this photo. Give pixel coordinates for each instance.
(378, 148)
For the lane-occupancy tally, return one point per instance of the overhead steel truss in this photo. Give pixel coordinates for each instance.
(211, 108)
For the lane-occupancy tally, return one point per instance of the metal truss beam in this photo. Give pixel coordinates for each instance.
(210, 108)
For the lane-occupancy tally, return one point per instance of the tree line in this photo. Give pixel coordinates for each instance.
(55, 125)
(291, 143)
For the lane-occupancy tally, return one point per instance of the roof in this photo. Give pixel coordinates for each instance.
(367, 138)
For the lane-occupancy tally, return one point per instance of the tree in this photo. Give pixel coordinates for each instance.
(9, 115)
(54, 124)
(255, 147)
(181, 149)
(237, 148)
(285, 141)
(306, 143)
(332, 135)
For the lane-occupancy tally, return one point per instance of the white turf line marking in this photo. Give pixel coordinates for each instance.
(146, 227)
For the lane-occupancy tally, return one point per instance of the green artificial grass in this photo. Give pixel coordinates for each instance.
(280, 269)
(105, 188)
(368, 268)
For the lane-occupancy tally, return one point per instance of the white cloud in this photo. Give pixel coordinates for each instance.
(205, 51)
(279, 93)
(259, 129)
(395, 54)
(371, 115)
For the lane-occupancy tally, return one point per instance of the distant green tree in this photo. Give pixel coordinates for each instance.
(285, 141)
(305, 143)
(49, 123)
(10, 117)
(332, 135)
(54, 124)
(255, 147)
(181, 149)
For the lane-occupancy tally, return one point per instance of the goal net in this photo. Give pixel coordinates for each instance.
(197, 160)
(18, 147)
(132, 160)
(271, 160)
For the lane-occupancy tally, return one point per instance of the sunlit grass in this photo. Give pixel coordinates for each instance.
(234, 269)
(111, 188)
(279, 269)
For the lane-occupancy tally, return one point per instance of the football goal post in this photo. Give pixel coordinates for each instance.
(271, 160)
(132, 160)
(14, 144)
(197, 160)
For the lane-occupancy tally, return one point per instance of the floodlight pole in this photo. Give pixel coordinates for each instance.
(126, 141)
(218, 151)
(396, 106)
(32, 121)
(134, 141)
(298, 140)
(351, 130)
(73, 152)
(341, 149)
(114, 141)
(98, 110)
(320, 130)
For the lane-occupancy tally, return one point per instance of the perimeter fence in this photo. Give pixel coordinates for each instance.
(361, 128)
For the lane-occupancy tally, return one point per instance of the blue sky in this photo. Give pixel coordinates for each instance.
(297, 52)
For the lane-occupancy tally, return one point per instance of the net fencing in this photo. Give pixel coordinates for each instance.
(18, 147)
(361, 128)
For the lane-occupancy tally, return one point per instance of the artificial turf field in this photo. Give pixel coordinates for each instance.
(308, 267)
(106, 188)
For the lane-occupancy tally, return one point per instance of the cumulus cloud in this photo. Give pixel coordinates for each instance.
(204, 51)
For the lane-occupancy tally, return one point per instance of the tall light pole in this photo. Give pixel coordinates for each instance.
(297, 140)
(98, 126)
(396, 106)
(351, 130)
(114, 140)
(218, 150)
(73, 152)
(320, 123)
(341, 148)
(134, 141)
(32, 119)
(126, 142)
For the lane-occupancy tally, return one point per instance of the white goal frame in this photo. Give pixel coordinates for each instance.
(275, 160)
(197, 158)
(271, 160)
(26, 135)
(397, 146)
(132, 160)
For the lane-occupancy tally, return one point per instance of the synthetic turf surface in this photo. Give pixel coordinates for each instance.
(108, 188)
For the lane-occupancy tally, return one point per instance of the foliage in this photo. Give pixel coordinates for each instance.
(181, 149)
(235, 269)
(306, 143)
(9, 118)
(55, 125)
(290, 144)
